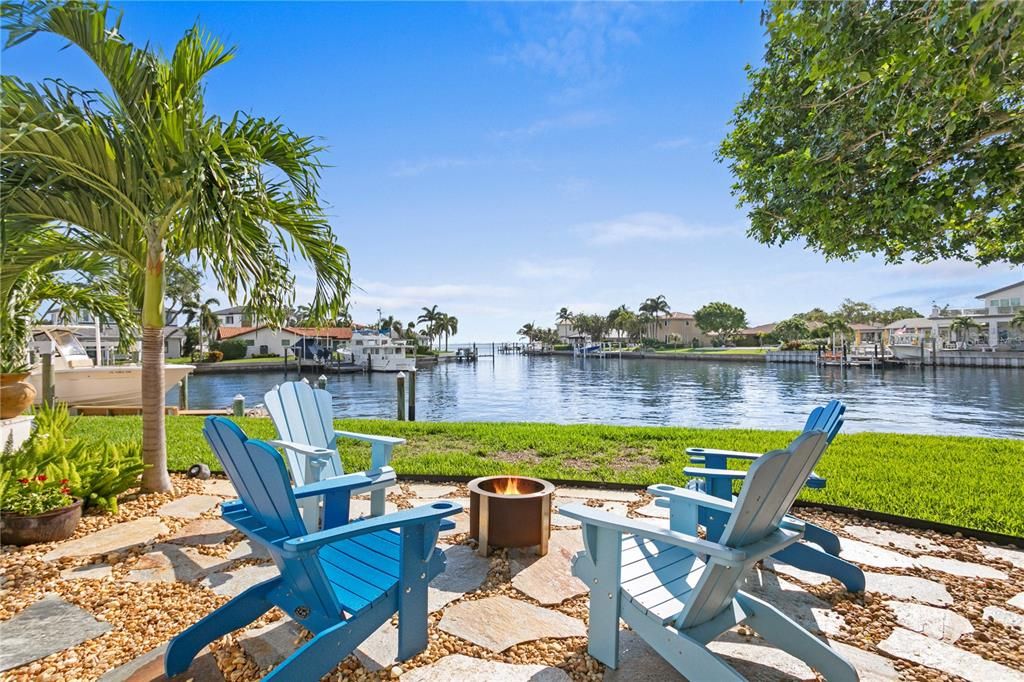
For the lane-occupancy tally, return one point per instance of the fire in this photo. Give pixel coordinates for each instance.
(509, 486)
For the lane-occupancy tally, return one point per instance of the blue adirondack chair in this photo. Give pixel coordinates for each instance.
(714, 478)
(340, 583)
(304, 421)
(679, 592)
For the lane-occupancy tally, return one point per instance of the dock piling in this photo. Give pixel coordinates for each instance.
(412, 395)
(321, 382)
(238, 405)
(183, 393)
(47, 379)
(400, 381)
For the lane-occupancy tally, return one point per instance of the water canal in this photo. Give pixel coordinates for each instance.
(945, 400)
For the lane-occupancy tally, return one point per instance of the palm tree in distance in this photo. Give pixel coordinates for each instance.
(144, 173)
(654, 306)
(1018, 319)
(209, 323)
(962, 328)
(428, 318)
(529, 330)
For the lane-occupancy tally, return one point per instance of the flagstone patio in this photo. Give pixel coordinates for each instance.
(104, 603)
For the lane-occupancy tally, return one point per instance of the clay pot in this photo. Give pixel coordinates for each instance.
(15, 395)
(51, 526)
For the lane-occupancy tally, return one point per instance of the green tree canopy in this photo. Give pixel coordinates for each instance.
(792, 329)
(900, 312)
(890, 128)
(722, 318)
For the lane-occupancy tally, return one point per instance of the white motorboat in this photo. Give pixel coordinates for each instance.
(77, 380)
(380, 353)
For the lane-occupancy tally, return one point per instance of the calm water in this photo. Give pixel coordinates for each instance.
(955, 401)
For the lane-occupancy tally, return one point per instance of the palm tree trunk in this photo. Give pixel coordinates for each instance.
(154, 436)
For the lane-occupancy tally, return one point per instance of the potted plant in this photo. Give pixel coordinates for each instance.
(16, 394)
(39, 510)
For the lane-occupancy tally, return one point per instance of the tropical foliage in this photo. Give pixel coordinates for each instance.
(890, 128)
(721, 318)
(142, 174)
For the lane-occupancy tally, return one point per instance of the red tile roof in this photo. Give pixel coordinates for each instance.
(339, 333)
(231, 332)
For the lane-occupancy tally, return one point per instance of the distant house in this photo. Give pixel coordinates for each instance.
(755, 336)
(262, 340)
(680, 328)
(235, 316)
(110, 336)
(993, 319)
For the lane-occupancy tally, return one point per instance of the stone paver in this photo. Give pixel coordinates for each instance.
(758, 661)
(520, 622)
(1017, 601)
(813, 613)
(271, 644)
(167, 563)
(461, 521)
(112, 539)
(867, 554)
(220, 487)
(930, 620)
(798, 573)
(653, 511)
(891, 538)
(918, 648)
(149, 667)
(203, 532)
(359, 508)
(431, 491)
(1014, 556)
(962, 568)
(908, 587)
(613, 507)
(596, 494)
(379, 650)
(464, 572)
(870, 667)
(87, 572)
(459, 667)
(245, 550)
(549, 579)
(638, 662)
(559, 521)
(233, 583)
(1006, 618)
(190, 506)
(43, 628)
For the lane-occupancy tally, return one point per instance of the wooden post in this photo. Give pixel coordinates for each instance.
(321, 382)
(238, 405)
(412, 395)
(935, 355)
(400, 380)
(47, 379)
(183, 393)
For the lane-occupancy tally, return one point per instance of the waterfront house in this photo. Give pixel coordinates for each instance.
(235, 316)
(263, 340)
(680, 328)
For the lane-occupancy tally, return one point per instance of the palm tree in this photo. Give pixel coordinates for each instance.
(209, 323)
(564, 316)
(836, 327)
(144, 173)
(388, 323)
(529, 330)
(1018, 319)
(428, 318)
(660, 305)
(450, 326)
(963, 325)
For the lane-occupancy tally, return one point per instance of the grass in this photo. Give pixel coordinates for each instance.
(970, 482)
(716, 351)
(239, 361)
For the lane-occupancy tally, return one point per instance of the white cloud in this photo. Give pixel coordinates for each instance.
(408, 169)
(571, 121)
(648, 226)
(565, 269)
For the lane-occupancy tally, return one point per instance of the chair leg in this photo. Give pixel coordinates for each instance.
(237, 613)
(801, 555)
(827, 540)
(412, 595)
(320, 655)
(603, 631)
(780, 630)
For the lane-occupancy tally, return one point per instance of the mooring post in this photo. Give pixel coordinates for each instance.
(321, 382)
(47, 379)
(400, 380)
(238, 405)
(412, 395)
(935, 355)
(183, 393)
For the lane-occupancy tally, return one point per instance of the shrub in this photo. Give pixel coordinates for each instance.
(214, 356)
(792, 345)
(232, 350)
(562, 346)
(266, 355)
(96, 471)
(38, 495)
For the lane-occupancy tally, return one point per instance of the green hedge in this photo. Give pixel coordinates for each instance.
(970, 482)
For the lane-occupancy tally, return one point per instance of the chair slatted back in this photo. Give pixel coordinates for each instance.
(828, 419)
(258, 474)
(771, 486)
(303, 414)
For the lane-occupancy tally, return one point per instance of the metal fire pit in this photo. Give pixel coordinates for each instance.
(520, 519)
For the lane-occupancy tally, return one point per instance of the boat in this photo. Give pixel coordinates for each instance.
(377, 352)
(78, 380)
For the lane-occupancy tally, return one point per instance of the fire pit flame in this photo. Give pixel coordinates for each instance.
(509, 486)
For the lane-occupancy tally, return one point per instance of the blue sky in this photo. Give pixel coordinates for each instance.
(504, 160)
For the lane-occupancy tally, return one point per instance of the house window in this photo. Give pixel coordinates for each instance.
(250, 342)
(229, 319)
(286, 342)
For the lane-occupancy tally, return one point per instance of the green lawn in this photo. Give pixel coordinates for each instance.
(715, 351)
(240, 361)
(971, 482)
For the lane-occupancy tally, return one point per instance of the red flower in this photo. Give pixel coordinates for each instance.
(41, 477)
(23, 481)
(63, 481)
(66, 490)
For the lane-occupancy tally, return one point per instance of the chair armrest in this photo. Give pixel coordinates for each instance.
(410, 517)
(370, 439)
(348, 482)
(594, 517)
(813, 481)
(694, 497)
(697, 454)
(301, 448)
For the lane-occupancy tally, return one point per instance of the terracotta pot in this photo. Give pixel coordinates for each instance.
(15, 395)
(51, 526)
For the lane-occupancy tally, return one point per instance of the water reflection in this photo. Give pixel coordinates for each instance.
(957, 401)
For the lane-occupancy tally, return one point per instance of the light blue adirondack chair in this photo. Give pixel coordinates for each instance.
(340, 583)
(716, 479)
(679, 592)
(304, 421)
